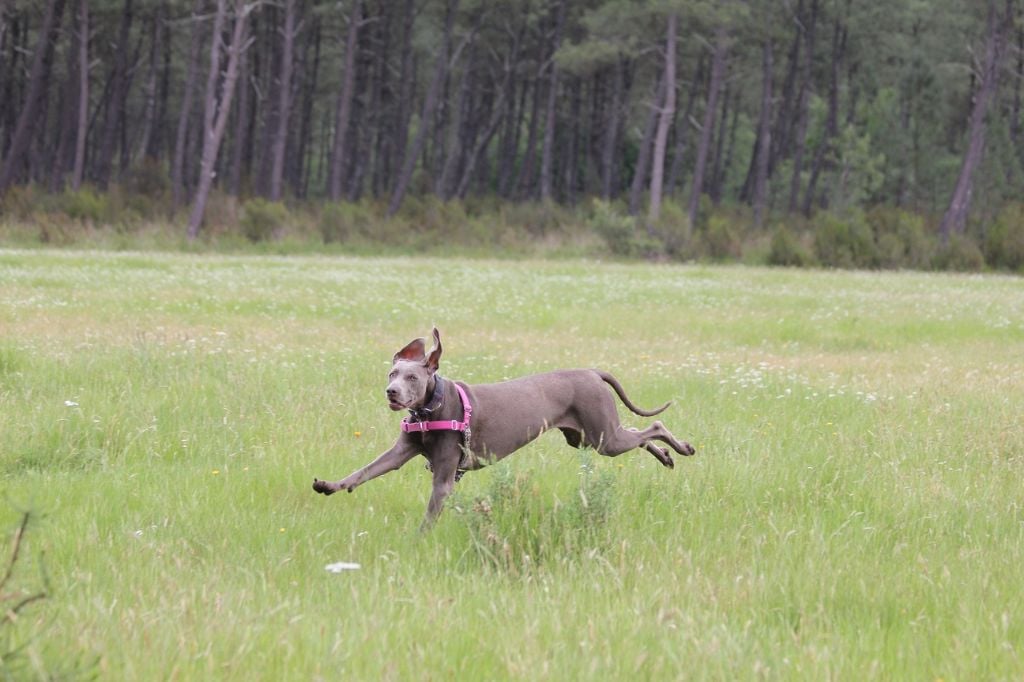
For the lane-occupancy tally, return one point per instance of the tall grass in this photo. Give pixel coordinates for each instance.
(853, 512)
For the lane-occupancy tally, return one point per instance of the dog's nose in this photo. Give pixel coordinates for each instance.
(392, 393)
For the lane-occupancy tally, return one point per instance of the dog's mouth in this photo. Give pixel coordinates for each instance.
(395, 405)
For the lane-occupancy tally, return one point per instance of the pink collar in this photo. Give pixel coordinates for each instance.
(450, 425)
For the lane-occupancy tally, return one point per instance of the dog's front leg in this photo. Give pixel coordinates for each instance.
(444, 481)
(401, 452)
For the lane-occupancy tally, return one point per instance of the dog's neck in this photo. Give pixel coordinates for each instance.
(434, 403)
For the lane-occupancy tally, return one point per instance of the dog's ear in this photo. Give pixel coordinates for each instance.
(414, 352)
(434, 359)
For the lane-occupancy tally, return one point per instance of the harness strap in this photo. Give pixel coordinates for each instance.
(409, 426)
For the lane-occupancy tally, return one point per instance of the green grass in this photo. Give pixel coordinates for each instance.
(854, 512)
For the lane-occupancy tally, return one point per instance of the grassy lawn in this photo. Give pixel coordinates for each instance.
(855, 510)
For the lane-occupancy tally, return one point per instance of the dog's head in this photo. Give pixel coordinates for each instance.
(412, 372)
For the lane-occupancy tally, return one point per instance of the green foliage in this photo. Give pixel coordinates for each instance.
(261, 219)
(960, 253)
(1004, 240)
(617, 229)
(514, 530)
(844, 240)
(719, 238)
(787, 249)
(343, 221)
(901, 238)
(85, 205)
(860, 169)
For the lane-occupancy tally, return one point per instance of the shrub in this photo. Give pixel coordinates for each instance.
(845, 240)
(1004, 242)
(788, 250)
(262, 219)
(343, 221)
(720, 238)
(85, 205)
(901, 238)
(960, 253)
(620, 232)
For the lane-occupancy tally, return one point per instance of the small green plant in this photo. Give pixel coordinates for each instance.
(85, 205)
(620, 231)
(901, 238)
(262, 219)
(960, 253)
(342, 221)
(513, 530)
(1004, 242)
(788, 250)
(845, 240)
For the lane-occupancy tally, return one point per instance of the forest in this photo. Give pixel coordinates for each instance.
(794, 132)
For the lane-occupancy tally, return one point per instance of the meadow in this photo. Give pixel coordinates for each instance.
(855, 510)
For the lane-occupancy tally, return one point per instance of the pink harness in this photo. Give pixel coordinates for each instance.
(450, 425)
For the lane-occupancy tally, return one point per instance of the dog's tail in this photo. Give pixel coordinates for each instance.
(614, 383)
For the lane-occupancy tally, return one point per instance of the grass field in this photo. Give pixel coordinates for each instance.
(855, 510)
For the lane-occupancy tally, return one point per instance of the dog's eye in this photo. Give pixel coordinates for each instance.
(412, 378)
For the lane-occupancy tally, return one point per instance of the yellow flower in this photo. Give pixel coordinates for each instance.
(215, 472)
(358, 433)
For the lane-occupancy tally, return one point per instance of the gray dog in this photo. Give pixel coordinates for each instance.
(459, 427)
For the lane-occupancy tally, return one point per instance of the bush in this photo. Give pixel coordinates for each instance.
(1004, 242)
(85, 205)
(343, 221)
(960, 253)
(620, 232)
(901, 239)
(720, 238)
(845, 240)
(788, 250)
(262, 219)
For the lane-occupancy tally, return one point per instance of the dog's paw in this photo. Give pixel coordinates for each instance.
(324, 487)
(688, 450)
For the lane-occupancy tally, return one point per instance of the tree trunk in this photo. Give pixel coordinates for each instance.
(242, 122)
(311, 77)
(149, 116)
(762, 149)
(803, 114)
(429, 109)
(344, 109)
(548, 151)
(113, 123)
(284, 104)
(82, 128)
(217, 110)
(831, 118)
(665, 117)
(784, 119)
(643, 155)
(38, 74)
(610, 141)
(955, 218)
(185, 115)
(68, 114)
(708, 126)
(675, 174)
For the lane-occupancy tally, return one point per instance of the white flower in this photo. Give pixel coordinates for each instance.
(341, 567)
(70, 403)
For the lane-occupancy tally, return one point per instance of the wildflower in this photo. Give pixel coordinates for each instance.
(358, 434)
(215, 472)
